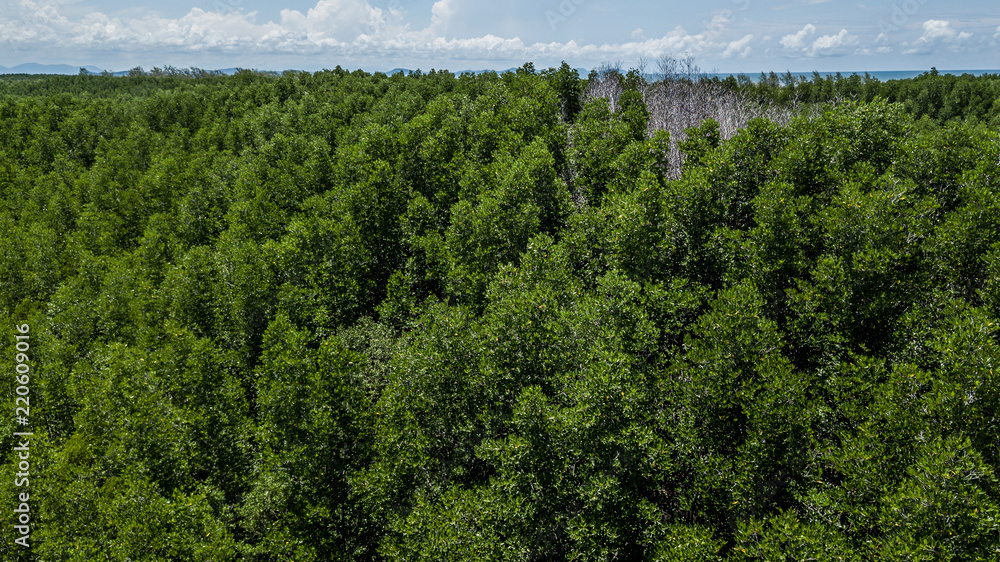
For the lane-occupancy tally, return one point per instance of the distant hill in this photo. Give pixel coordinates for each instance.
(35, 68)
(406, 71)
(226, 71)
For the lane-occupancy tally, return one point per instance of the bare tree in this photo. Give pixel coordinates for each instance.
(681, 97)
(606, 82)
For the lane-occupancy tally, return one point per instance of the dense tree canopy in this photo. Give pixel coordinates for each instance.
(351, 316)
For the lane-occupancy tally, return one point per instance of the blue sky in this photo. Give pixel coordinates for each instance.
(722, 35)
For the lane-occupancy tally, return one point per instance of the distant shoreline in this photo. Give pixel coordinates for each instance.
(882, 75)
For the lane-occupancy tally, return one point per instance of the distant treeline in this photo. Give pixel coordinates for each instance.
(939, 97)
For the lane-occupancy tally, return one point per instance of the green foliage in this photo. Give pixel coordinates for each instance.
(312, 431)
(127, 518)
(527, 199)
(342, 316)
(597, 138)
(632, 111)
(700, 140)
(566, 81)
(932, 95)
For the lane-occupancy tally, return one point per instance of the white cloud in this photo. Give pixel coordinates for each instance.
(826, 45)
(441, 13)
(937, 34)
(340, 20)
(35, 23)
(719, 20)
(797, 40)
(938, 28)
(740, 47)
(832, 44)
(338, 29)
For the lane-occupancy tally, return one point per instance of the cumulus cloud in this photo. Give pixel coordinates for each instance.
(937, 29)
(331, 28)
(441, 13)
(336, 20)
(797, 44)
(719, 20)
(797, 40)
(33, 22)
(937, 34)
(832, 44)
(739, 48)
